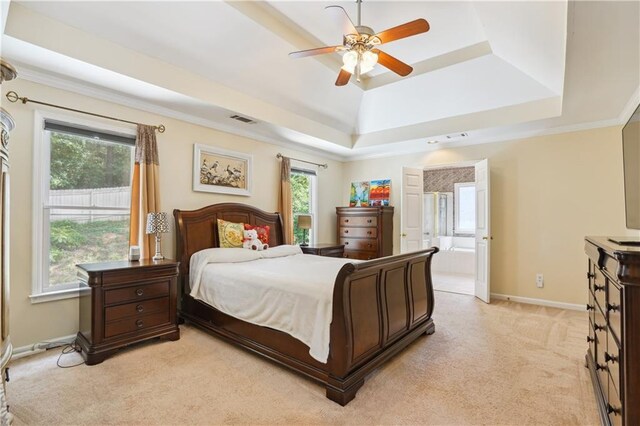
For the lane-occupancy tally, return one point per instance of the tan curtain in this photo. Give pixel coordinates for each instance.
(145, 189)
(285, 204)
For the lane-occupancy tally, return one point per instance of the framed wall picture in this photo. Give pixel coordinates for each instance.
(379, 192)
(221, 171)
(359, 196)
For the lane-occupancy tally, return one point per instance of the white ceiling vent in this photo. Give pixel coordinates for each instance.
(245, 120)
(454, 136)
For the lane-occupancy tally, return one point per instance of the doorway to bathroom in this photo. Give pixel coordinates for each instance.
(449, 207)
(449, 223)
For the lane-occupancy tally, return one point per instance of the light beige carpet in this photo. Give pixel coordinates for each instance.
(504, 363)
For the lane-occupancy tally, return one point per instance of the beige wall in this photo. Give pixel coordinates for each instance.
(31, 323)
(547, 193)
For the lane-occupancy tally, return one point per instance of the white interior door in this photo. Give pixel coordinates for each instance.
(483, 232)
(411, 209)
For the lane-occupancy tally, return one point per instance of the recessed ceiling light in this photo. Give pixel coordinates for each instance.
(432, 142)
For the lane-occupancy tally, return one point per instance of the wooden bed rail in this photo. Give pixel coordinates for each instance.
(379, 307)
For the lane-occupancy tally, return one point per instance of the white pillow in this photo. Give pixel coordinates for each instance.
(201, 258)
(280, 251)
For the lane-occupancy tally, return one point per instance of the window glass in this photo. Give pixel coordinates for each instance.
(465, 208)
(86, 205)
(302, 190)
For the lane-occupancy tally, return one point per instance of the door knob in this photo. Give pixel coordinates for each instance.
(487, 238)
(403, 235)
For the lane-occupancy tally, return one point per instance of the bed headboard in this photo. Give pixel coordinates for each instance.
(198, 229)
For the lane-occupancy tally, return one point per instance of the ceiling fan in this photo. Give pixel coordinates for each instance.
(360, 45)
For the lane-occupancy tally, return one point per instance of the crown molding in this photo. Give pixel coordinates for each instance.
(80, 88)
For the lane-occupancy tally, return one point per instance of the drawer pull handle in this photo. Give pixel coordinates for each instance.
(139, 292)
(369, 221)
(346, 231)
(139, 323)
(612, 307)
(590, 307)
(346, 243)
(139, 308)
(597, 327)
(368, 232)
(610, 358)
(616, 411)
(590, 275)
(602, 367)
(590, 339)
(346, 221)
(597, 287)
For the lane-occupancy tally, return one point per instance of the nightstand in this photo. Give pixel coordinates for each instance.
(127, 302)
(322, 249)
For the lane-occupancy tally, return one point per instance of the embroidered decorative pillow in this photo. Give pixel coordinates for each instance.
(263, 232)
(230, 234)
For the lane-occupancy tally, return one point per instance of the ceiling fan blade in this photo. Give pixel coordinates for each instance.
(343, 77)
(311, 52)
(409, 29)
(342, 19)
(392, 63)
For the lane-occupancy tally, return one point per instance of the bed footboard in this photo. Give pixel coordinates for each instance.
(379, 307)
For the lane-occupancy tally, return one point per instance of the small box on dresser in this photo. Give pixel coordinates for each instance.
(127, 302)
(366, 232)
(613, 355)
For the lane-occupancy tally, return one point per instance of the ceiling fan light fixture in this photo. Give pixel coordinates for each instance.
(350, 60)
(368, 61)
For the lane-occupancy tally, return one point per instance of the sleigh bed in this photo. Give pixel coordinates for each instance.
(379, 306)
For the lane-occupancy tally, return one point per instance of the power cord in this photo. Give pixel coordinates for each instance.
(66, 350)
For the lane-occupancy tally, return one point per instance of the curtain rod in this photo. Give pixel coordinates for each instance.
(13, 97)
(324, 166)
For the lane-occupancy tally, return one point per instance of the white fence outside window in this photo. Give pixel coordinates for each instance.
(117, 199)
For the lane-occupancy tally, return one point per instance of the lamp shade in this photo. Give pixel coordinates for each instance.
(157, 223)
(304, 221)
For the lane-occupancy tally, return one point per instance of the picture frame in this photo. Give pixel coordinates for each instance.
(379, 192)
(359, 194)
(221, 171)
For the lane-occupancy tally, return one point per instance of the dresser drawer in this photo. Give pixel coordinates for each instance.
(599, 288)
(139, 308)
(133, 324)
(360, 244)
(614, 406)
(600, 327)
(360, 255)
(358, 221)
(358, 232)
(612, 358)
(137, 292)
(592, 339)
(614, 307)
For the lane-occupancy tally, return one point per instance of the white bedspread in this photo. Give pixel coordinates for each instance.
(293, 293)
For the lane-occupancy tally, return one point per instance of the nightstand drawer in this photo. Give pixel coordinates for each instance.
(132, 324)
(359, 232)
(360, 255)
(137, 292)
(139, 308)
(359, 221)
(360, 244)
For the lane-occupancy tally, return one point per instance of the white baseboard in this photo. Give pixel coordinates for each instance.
(36, 348)
(541, 302)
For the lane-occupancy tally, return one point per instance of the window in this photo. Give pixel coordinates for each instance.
(82, 202)
(303, 190)
(465, 207)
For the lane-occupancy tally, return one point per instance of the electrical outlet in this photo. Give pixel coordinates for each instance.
(539, 280)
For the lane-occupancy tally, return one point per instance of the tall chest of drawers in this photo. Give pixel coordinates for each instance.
(127, 302)
(366, 232)
(613, 356)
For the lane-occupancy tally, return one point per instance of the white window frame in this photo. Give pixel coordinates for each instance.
(456, 198)
(41, 177)
(313, 194)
